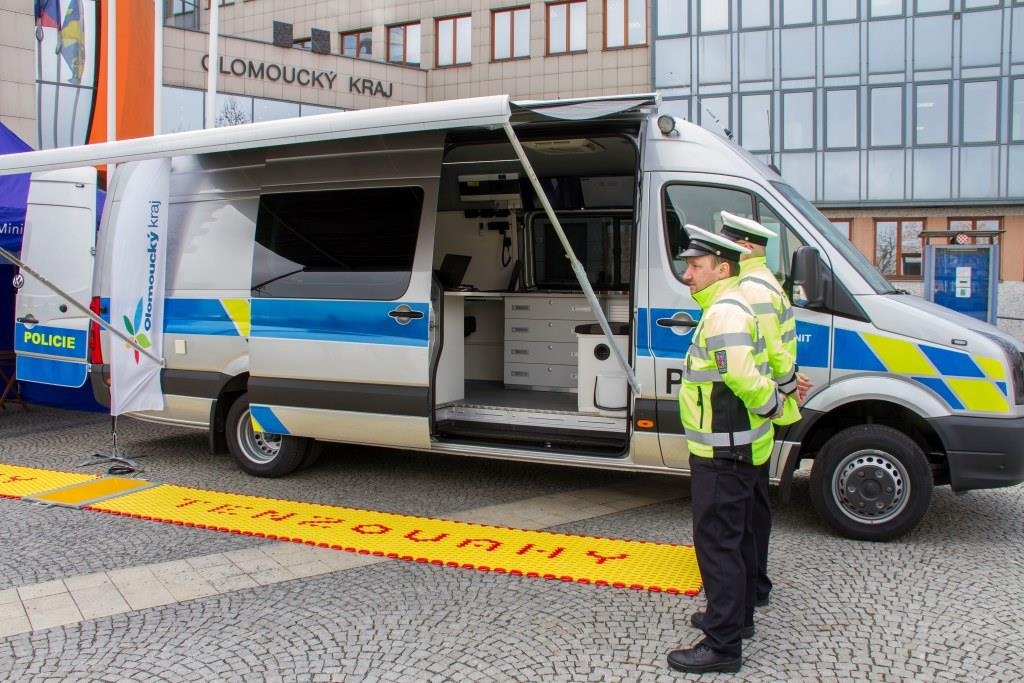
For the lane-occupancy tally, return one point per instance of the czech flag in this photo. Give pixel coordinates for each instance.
(47, 12)
(72, 40)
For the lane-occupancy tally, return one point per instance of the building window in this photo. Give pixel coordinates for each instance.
(898, 247)
(404, 44)
(755, 14)
(980, 107)
(931, 113)
(797, 12)
(511, 33)
(842, 225)
(625, 23)
(567, 27)
(454, 41)
(673, 17)
(971, 224)
(1017, 111)
(928, 6)
(841, 119)
(714, 15)
(886, 8)
(756, 122)
(357, 44)
(841, 10)
(798, 120)
(886, 104)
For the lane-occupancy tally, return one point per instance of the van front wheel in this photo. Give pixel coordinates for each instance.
(261, 454)
(871, 483)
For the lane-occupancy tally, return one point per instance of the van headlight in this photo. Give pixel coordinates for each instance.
(1015, 359)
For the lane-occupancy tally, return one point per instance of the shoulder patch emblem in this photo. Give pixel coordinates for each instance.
(720, 361)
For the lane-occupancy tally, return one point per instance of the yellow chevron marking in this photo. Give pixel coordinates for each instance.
(979, 394)
(240, 313)
(900, 357)
(993, 368)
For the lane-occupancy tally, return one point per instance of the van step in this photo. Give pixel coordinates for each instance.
(603, 444)
(531, 418)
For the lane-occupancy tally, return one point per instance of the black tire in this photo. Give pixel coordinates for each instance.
(871, 483)
(261, 454)
(312, 455)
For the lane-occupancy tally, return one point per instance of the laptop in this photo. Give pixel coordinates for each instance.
(453, 269)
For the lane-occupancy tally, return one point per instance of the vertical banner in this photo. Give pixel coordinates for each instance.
(137, 284)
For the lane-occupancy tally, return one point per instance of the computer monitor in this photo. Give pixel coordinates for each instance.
(453, 269)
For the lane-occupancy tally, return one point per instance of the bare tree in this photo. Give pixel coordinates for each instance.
(231, 114)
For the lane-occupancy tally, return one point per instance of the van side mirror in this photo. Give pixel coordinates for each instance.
(808, 278)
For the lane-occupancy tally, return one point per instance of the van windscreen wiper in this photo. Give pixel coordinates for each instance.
(263, 284)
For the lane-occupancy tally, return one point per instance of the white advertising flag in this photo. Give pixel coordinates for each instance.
(137, 284)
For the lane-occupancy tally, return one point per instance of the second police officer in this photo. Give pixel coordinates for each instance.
(727, 400)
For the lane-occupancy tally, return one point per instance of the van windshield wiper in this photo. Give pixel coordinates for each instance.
(263, 284)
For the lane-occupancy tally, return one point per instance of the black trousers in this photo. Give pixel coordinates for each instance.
(762, 530)
(723, 493)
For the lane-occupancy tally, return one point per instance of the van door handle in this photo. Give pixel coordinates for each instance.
(403, 314)
(28, 319)
(676, 322)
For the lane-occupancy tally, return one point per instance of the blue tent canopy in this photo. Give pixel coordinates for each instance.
(14, 195)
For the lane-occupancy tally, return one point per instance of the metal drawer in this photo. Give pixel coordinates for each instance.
(541, 375)
(541, 352)
(544, 307)
(523, 329)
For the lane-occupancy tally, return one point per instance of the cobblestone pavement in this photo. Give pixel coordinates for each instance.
(945, 603)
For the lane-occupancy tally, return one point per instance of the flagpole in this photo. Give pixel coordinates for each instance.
(111, 74)
(158, 64)
(212, 65)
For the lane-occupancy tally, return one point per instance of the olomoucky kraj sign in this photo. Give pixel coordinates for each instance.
(310, 78)
(137, 284)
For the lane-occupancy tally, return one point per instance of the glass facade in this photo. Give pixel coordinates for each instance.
(857, 100)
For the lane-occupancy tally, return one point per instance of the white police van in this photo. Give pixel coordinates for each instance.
(502, 279)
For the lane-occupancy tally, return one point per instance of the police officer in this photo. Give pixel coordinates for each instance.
(727, 401)
(778, 327)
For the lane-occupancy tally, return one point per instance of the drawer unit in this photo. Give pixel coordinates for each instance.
(549, 376)
(541, 352)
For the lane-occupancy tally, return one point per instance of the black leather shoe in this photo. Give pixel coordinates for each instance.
(697, 619)
(701, 659)
(763, 601)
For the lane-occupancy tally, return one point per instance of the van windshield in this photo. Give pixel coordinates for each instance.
(844, 246)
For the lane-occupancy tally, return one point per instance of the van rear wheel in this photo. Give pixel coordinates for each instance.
(871, 483)
(262, 454)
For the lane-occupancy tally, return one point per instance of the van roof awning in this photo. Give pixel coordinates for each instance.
(479, 112)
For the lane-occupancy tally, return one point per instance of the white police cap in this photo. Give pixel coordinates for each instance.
(703, 242)
(739, 228)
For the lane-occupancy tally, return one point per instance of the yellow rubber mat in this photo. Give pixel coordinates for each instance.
(20, 482)
(582, 559)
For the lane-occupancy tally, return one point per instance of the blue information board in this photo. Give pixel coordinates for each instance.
(963, 278)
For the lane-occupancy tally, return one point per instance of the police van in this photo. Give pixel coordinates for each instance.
(499, 279)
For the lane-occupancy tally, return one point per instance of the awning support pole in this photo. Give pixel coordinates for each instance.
(577, 267)
(84, 309)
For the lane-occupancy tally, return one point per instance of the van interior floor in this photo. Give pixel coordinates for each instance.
(529, 418)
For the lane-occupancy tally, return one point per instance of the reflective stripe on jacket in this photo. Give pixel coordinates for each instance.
(728, 397)
(777, 322)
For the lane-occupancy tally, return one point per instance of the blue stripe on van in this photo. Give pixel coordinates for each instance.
(664, 342)
(61, 373)
(852, 353)
(197, 316)
(940, 388)
(264, 415)
(951, 363)
(363, 322)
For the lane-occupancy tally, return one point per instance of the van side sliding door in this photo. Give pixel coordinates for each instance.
(339, 345)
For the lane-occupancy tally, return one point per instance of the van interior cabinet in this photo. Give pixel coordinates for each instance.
(540, 342)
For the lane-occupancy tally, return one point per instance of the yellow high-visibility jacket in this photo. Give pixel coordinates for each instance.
(778, 327)
(728, 397)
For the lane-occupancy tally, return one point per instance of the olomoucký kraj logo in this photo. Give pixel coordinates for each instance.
(134, 331)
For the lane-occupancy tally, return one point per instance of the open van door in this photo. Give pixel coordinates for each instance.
(50, 335)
